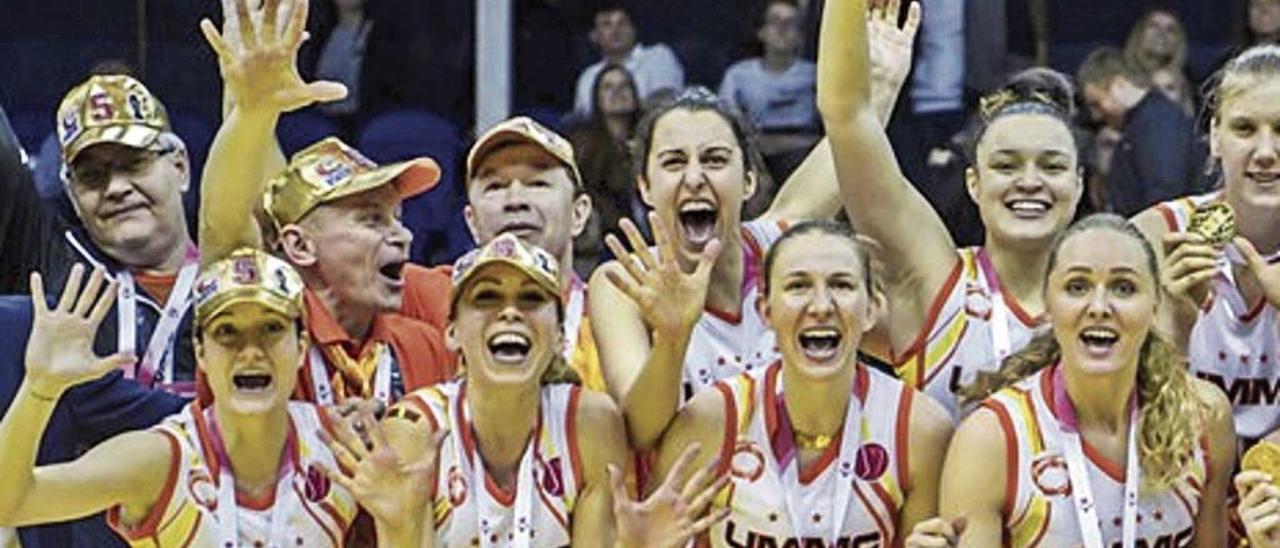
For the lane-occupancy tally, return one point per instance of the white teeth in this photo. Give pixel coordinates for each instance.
(1024, 205)
(821, 332)
(696, 207)
(510, 338)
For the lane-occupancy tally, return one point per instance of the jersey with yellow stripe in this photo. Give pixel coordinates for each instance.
(723, 345)
(1234, 344)
(876, 484)
(1039, 509)
(186, 513)
(956, 342)
(473, 515)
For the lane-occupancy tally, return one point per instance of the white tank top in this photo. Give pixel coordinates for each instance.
(722, 345)
(467, 514)
(317, 512)
(960, 337)
(1234, 344)
(1039, 508)
(872, 481)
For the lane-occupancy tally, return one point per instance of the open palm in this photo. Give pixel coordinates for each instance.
(60, 348)
(674, 512)
(670, 300)
(258, 56)
(391, 489)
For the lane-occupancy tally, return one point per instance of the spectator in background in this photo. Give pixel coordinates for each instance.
(1158, 155)
(654, 67)
(1157, 45)
(776, 90)
(603, 151)
(1263, 23)
(342, 58)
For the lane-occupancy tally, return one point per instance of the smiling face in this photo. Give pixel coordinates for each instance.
(1101, 298)
(354, 246)
(819, 303)
(523, 190)
(506, 327)
(695, 178)
(250, 355)
(1245, 136)
(130, 199)
(1026, 182)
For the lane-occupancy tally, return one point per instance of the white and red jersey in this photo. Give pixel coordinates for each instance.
(542, 501)
(969, 327)
(1039, 509)
(723, 345)
(1234, 344)
(317, 512)
(871, 481)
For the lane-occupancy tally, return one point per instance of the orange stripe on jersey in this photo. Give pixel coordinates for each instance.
(1010, 455)
(902, 437)
(947, 345)
(1170, 218)
(571, 432)
(150, 523)
(561, 519)
(889, 504)
(935, 308)
(320, 522)
(880, 525)
(730, 429)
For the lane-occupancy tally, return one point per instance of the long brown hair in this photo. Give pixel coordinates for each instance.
(1172, 411)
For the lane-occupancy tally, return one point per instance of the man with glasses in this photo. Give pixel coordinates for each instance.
(125, 175)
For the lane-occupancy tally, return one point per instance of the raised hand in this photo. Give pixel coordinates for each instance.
(1267, 274)
(890, 47)
(936, 533)
(1190, 263)
(392, 490)
(674, 512)
(258, 58)
(60, 348)
(670, 299)
(1259, 508)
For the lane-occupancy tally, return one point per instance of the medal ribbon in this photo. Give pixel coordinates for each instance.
(284, 501)
(846, 460)
(1000, 343)
(573, 313)
(159, 350)
(1077, 468)
(368, 377)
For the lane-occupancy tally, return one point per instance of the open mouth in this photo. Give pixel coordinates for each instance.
(819, 343)
(251, 382)
(392, 270)
(1028, 209)
(1266, 177)
(1099, 341)
(697, 220)
(509, 348)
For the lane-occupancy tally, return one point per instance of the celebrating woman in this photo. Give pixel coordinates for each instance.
(955, 311)
(247, 470)
(817, 446)
(1096, 433)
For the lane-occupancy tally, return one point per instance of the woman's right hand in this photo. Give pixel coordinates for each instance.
(1259, 508)
(670, 299)
(1190, 263)
(936, 533)
(675, 512)
(60, 349)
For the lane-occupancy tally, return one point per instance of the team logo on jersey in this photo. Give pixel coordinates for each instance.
(317, 484)
(871, 462)
(202, 490)
(456, 485)
(550, 476)
(1049, 474)
(747, 462)
(977, 304)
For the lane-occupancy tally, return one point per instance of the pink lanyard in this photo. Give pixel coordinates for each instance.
(227, 510)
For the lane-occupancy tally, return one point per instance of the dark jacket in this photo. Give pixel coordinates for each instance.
(1159, 157)
(33, 237)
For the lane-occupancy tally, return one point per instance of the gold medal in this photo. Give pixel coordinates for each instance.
(1215, 222)
(1264, 457)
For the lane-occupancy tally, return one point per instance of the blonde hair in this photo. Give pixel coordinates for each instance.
(1240, 73)
(1172, 413)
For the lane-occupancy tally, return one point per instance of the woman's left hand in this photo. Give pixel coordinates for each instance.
(1267, 274)
(674, 513)
(1259, 508)
(392, 490)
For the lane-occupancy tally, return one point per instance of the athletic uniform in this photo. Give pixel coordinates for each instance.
(547, 482)
(1039, 506)
(970, 326)
(859, 482)
(199, 505)
(724, 345)
(1234, 344)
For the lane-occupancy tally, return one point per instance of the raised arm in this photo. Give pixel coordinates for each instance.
(643, 311)
(879, 199)
(262, 82)
(811, 191)
(121, 471)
